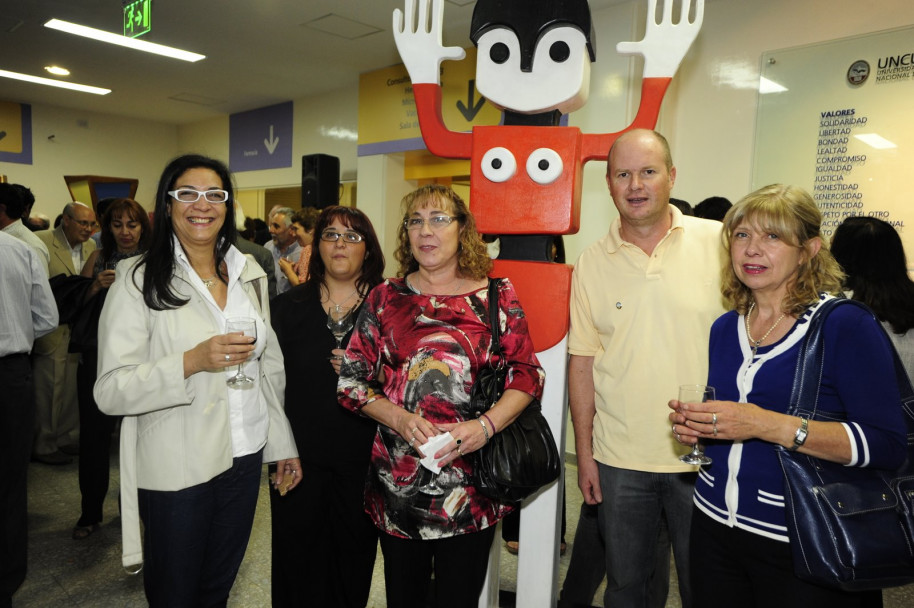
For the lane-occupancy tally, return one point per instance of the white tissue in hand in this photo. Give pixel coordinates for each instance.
(431, 448)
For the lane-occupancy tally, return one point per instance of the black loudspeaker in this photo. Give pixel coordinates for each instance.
(320, 180)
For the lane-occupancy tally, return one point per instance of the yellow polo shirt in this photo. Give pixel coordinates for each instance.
(645, 320)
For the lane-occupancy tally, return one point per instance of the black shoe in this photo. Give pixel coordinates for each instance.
(70, 450)
(54, 458)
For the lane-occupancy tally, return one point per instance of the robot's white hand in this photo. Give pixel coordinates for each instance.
(665, 43)
(418, 39)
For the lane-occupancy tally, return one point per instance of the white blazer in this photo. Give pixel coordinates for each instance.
(176, 432)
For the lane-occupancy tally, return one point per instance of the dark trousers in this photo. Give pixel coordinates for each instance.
(459, 562)
(324, 544)
(95, 434)
(17, 419)
(195, 538)
(733, 567)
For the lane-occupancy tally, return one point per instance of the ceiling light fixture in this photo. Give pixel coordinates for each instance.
(132, 43)
(57, 70)
(55, 83)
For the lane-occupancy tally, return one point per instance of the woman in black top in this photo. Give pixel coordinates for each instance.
(324, 544)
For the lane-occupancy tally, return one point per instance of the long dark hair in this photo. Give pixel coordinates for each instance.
(373, 266)
(134, 212)
(160, 258)
(871, 253)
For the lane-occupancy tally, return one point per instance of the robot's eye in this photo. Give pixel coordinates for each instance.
(544, 166)
(499, 52)
(499, 165)
(559, 52)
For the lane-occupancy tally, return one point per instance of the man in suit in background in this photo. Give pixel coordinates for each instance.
(57, 413)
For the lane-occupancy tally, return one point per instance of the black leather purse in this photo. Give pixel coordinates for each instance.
(849, 527)
(519, 459)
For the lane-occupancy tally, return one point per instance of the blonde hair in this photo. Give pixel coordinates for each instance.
(473, 260)
(789, 212)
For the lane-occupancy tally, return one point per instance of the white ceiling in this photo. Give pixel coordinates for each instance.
(258, 53)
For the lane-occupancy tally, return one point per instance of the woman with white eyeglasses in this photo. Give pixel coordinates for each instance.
(193, 437)
(411, 364)
(324, 545)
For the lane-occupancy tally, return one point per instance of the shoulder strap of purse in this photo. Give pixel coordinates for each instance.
(494, 324)
(804, 395)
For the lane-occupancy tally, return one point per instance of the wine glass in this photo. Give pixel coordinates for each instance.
(248, 327)
(339, 322)
(694, 393)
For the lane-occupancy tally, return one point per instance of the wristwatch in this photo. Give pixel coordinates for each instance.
(800, 437)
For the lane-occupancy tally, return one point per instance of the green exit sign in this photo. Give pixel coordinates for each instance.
(136, 18)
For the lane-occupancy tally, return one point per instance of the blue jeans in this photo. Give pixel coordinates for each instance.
(195, 538)
(634, 505)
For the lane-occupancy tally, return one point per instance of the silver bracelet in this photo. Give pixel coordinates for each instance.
(484, 428)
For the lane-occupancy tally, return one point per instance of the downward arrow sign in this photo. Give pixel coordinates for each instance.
(472, 107)
(272, 142)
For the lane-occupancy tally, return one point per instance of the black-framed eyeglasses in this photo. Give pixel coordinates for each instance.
(332, 236)
(189, 195)
(436, 222)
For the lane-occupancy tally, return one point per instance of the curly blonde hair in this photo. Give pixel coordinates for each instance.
(473, 260)
(789, 212)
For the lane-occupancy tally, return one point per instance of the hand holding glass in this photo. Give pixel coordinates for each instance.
(696, 393)
(247, 327)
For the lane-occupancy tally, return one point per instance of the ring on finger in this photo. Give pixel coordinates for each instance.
(413, 431)
(674, 429)
(714, 418)
(412, 441)
(458, 451)
(714, 430)
(228, 357)
(459, 441)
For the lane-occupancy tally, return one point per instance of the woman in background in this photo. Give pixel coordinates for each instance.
(303, 227)
(324, 545)
(124, 233)
(876, 273)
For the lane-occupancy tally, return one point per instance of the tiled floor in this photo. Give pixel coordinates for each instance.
(64, 573)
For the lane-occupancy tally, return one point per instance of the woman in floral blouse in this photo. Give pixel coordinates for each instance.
(411, 365)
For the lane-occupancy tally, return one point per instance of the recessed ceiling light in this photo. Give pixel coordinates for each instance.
(84, 88)
(132, 43)
(57, 70)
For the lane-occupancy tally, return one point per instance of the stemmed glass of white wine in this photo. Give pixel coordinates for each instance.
(696, 393)
(247, 327)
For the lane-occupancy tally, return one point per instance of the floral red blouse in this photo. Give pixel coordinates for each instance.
(429, 349)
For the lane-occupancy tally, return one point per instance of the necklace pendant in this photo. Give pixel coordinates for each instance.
(209, 283)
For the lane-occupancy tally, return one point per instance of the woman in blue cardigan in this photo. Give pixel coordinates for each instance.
(780, 273)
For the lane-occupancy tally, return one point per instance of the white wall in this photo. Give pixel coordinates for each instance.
(90, 144)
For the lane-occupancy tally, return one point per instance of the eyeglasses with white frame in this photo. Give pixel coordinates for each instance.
(189, 195)
(332, 236)
(436, 222)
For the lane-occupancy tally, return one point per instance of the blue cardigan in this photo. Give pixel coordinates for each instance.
(744, 486)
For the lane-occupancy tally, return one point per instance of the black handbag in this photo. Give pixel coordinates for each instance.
(519, 459)
(849, 527)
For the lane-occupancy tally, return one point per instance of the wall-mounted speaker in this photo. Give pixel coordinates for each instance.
(320, 180)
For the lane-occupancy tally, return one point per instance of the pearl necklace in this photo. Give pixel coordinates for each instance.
(756, 343)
